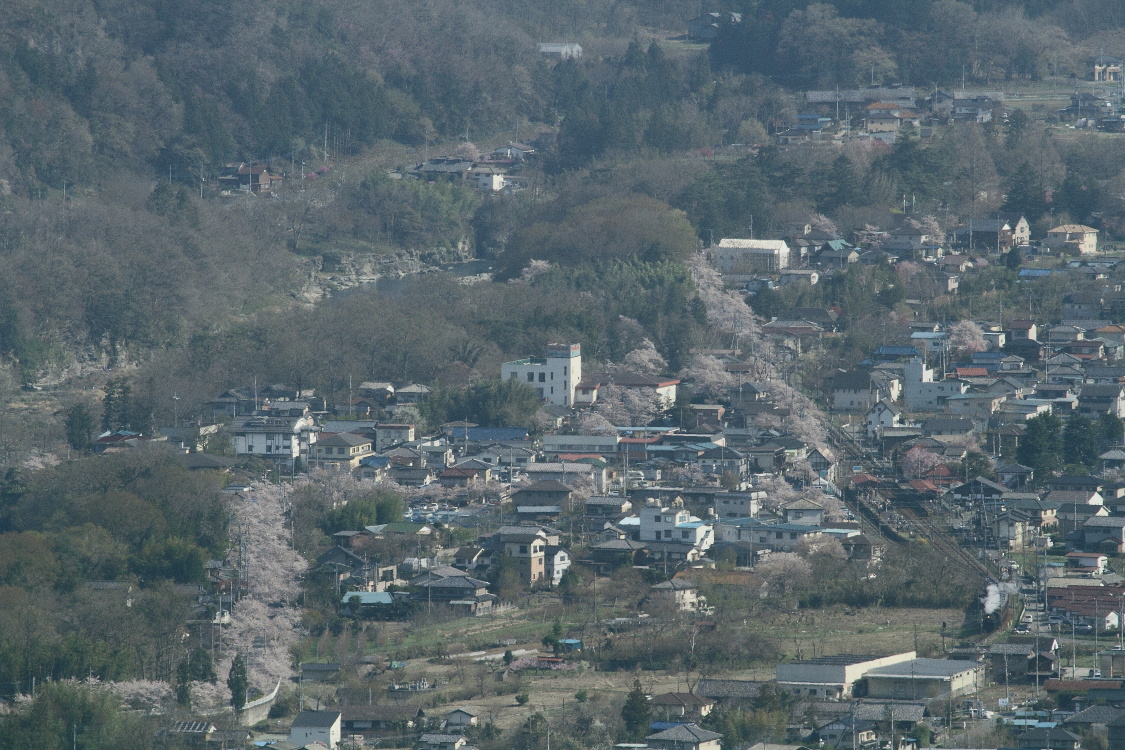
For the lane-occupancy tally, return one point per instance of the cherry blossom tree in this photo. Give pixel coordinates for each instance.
(593, 423)
(918, 460)
(966, 337)
(531, 270)
(786, 565)
(628, 406)
(822, 223)
(646, 360)
(708, 375)
(467, 150)
(927, 225)
(826, 547)
(726, 309)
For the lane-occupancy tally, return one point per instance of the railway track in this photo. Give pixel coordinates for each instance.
(924, 527)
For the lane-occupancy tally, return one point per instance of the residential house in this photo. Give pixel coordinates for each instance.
(721, 461)
(1048, 738)
(978, 490)
(1095, 400)
(679, 593)
(472, 559)
(685, 737)
(976, 109)
(316, 726)
(461, 477)
(740, 256)
(390, 434)
(675, 526)
(457, 591)
(364, 718)
(1087, 562)
(1073, 239)
(836, 254)
(680, 706)
(1023, 330)
(661, 391)
(854, 391)
(986, 235)
(948, 427)
(929, 343)
(804, 512)
(342, 450)
(547, 494)
(1013, 529)
(565, 471)
(250, 178)
(1104, 534)
(1014, 475)
(1021, 229)
(284, 439)
(442, 741)
(413, 393)
(460, 718)
(847, 732)
(1106, 69)
(560, 51)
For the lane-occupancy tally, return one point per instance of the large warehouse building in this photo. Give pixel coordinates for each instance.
(903, 676)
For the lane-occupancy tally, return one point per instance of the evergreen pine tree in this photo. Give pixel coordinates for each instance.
(636, 713)
(1080, 441)
(238, 683)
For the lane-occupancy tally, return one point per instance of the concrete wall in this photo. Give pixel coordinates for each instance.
(259, 710)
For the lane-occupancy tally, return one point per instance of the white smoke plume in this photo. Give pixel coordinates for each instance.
(994, 596)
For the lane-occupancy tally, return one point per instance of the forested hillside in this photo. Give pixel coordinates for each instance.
(120, 115)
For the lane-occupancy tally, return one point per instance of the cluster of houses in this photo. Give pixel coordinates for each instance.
(805, 254)
(501, 170)
(879, 113)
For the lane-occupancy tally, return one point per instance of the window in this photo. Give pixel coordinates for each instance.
(564, 371)
(778, 535)
(683, 535)
(552, 375)
(523, 549)
(668, 534)
(531, 377)
(542, 377)
(514, 375)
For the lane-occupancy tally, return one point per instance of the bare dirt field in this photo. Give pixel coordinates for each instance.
(470, 674)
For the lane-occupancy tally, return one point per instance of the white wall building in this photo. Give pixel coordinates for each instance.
(674, 525)
(316, 726)
(743, 256)
(554, 377)
(923, 393)
(278, 438)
